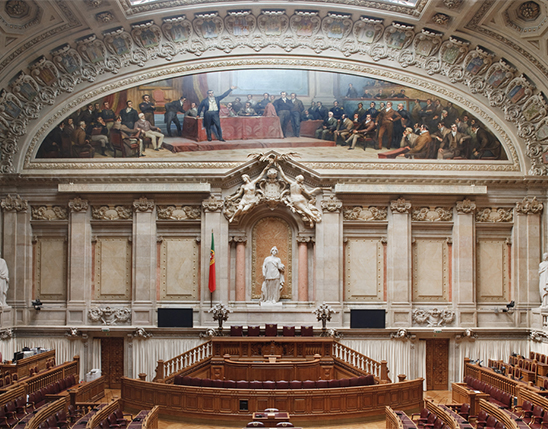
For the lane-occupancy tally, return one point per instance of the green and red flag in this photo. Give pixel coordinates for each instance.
(212, 281)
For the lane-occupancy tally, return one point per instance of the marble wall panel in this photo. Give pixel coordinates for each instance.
(51, 272)
(267, 233)
(364, 270)
(113, 268)
(430, 270)
(179, 264)
(492, 271)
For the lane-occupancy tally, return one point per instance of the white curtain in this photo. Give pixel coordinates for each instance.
(147, 353)
(95, 354)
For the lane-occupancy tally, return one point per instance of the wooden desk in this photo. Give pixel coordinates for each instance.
(270, 420)
(235, 128)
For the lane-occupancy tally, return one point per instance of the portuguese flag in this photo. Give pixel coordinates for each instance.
(212, 282)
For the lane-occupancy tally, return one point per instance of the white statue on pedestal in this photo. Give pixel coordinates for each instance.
(4, 282)
(273, 278)
(543, 280)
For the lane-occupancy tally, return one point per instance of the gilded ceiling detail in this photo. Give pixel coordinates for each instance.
(362, 41)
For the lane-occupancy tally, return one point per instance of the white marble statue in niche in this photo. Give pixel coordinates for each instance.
(301, 200)
(273, 272)
(251, 196)
(543, 280)
(4, 282)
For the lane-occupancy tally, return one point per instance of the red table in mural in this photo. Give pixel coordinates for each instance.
(236, 128)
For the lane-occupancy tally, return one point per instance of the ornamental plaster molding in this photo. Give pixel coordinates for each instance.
(49, 213)
(6, 334)
(143, 205)
(212, 204)
(331, 204)
(432, 214)
(529, 206)
(131, 49)
(466, 207)
(78, 205)
(14, 203)
(494, 215)
(400, 206)
(111, 212)
(365, 213)
(109, 315)
(178, 212)
(433, 317)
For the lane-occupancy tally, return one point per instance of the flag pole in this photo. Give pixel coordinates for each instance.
(212, 276)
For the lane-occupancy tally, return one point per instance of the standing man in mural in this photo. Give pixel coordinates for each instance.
(210, 107)
(147, 107)
(283, 109)
(171, 115)
(297, 109)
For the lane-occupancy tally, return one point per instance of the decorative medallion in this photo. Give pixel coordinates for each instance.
(10, 105)
(492, 214)
(78, 205)
(240, 23)
(16, 8)
(49, 213)
(67, 59)
(208, 25)
(44, 71)
(93, 3)
(177, 29)
(104, 17)
(528, 206)
(441, 19)
(466, 207)
(212, 204)
(146, 34)
(178, 212)
(399, 36)
(14, 203)
(367, 213)
(273, 22)
(452, 4)
(432, 214)
(477, 62)
(529, 11)
(331, 204)
(111, 213)
(534, 108)
(118, 42)
(400, 206)
(519, 89)
(368, 30)
(143, 205)
(336, 25)
(305, 23)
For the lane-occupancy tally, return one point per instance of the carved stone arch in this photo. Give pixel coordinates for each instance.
(493, 118)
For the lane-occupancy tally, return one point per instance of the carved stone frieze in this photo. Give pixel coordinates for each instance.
(143, 205)
(240, 23)
(493, 214)
(305, 23)
(111, 212)
(336, 25)
(331, 204)
(433, 317)
(208, 25)
(6, 334)
(538, 336)
(400, 206)
(49, 213)
(141, 333)
(432, 214)
(109, 315)
(529, 206)
(212, 204)
(177, 29)
(14, 203)
(178, 212)
(466, 207)
(365, 213)
(78, 205)
(273, 23)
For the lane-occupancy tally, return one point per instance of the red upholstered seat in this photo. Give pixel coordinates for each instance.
(295, 384)
(271, 330)
(218, 383)
(344, 382)
(229, 384)
(309, 384)
(269, 384)
(333, 383)
(255, 425)
(288, 331)
(242, 384)
(307, 331)
(207, 382)
(253, 331)
(195, 381)
(255, 384)
(282, 384)
(321, 384)
(354, 381)
(369, 380)
(236, 331)
(186, 380)
(284, 425)
(178, 380)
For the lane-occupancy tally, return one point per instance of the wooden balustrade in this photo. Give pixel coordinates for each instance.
(11, 394)
(168, 368)
(491, 377)
(361, 362)
(442, 414)
(90, 391)
(151, 420)
(392, 419)
(47, 411)
(22, 366)
(533, 397)
(310, 404)
(499, 414)
(461, 393)
(36, 382)
(103, 414)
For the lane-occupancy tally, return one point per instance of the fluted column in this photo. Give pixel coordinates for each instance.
(79, 261)
(303, 268)
(399, 261)
(240, 268)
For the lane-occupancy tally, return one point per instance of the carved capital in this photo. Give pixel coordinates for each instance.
(212, 204)
(78, 205)
(528, 206)
(305, 239)
(466, 207)
(331, 204)
(400, 206)
(143, 205)
(239, 239)
(14, 203)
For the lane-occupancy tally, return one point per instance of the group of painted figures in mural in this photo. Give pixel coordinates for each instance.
(422, 129)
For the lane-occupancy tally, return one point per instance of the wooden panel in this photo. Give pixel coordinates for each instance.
(437, 364)
(112, 361)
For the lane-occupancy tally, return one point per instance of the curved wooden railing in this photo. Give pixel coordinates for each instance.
(151, 420)
(392, 419)
(104, 413)
(44, 413)
(361, 362)
(36, 382)
(499, 414)
(191, 357)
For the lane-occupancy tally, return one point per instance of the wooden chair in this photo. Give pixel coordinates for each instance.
(124, 145)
